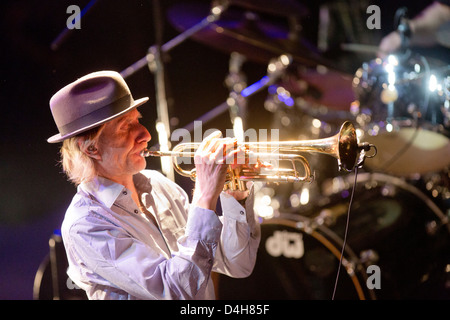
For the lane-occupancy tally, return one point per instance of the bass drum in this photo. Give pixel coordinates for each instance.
(397, 227)
(393, 225)
(297, 262)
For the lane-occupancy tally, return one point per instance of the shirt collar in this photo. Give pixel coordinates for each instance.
(102, 189)
(107, 191)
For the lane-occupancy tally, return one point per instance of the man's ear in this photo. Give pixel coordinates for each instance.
(89, 150)
(92, 152)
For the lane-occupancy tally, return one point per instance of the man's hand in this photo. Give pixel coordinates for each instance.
(211, 162)
(389, 44)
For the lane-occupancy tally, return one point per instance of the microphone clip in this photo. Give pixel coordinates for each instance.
(364, 148)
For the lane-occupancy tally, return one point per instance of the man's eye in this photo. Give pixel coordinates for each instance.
(125, 126)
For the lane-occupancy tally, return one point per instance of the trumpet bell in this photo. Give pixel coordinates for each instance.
(348, 147)
(343, 146)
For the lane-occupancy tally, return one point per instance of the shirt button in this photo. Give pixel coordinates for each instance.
(241, 212)
(136, 211)
(125, 193)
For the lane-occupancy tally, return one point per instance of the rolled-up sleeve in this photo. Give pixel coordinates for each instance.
(126, 268)
(239, 241)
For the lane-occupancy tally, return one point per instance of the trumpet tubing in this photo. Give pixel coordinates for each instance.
(343, 146)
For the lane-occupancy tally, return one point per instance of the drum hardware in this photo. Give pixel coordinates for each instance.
(307, 277)
(438, 184)
(236, 82)
(320, 85)
(393, 222)
(326, 217)
(324, 235)
(369, 257)
(329, 216)
(400, 107)
(211, 15)
(156, 66)
(257, 35)
(274, 70)
(401, 21)
(320, 93)
(153, 60)
(385, 182)
(432, 228)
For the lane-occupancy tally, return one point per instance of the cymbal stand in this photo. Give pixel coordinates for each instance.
(214, 15)
(236, 82)
(156, 66)
(274, 70)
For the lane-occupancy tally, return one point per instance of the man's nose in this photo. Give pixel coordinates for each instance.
(144, 135)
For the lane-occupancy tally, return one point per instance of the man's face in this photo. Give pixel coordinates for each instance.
(120, 145)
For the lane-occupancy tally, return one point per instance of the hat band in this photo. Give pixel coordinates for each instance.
(96, 116)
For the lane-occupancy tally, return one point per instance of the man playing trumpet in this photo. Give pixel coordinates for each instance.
(131, 233)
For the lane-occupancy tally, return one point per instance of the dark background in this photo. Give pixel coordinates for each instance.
(34, 192)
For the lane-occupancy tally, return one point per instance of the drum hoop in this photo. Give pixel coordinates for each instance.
(291, 222)
(398, 182)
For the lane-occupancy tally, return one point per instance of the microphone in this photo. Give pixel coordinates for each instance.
(402, 22)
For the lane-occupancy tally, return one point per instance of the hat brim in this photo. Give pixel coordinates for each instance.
(59, 138)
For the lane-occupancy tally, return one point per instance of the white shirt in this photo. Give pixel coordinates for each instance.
(116, 252)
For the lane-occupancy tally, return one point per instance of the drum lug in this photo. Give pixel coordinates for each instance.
(389, 190)
(431, 228)
(325, 217)
(369, 257)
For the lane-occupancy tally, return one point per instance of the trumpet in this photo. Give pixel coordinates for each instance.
(343, 146)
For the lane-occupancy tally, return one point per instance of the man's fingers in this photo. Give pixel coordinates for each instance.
(209, 142)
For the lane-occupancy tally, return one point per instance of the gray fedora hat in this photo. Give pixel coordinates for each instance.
(89, 102)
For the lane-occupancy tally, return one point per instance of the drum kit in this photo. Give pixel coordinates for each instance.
(399, 217)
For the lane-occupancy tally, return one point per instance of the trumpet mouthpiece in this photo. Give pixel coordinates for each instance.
(145, 153)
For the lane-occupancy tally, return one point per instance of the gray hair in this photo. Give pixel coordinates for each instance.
(76, 164)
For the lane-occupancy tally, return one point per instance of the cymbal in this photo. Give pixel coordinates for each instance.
(320, 87)
(257, 36)
(282, 7)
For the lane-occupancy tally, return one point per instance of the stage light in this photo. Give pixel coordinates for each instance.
(304, 196)
(432, 83)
